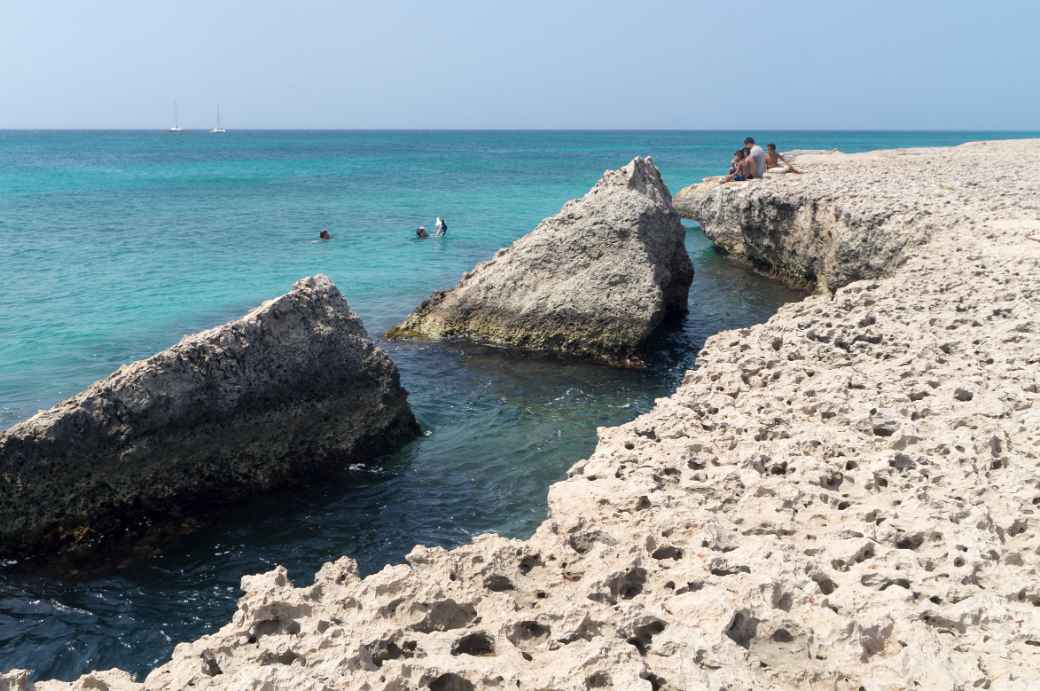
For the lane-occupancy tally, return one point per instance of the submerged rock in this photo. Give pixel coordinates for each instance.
(295, 387)
(593, 281)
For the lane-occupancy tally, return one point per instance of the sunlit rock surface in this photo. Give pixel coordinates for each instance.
(594, 281)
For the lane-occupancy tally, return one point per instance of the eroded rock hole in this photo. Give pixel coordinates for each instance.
(628, 584)
(476, 643)
(643, 634)
(824, 582)
(526, 632)
(529, 562)
(656, 683)
(742, 628)
(721, 567)
(445, 615)
(667, 552)
(912, 541)
(450, 682)
(209, 664)
(496, 583)
(381, 651)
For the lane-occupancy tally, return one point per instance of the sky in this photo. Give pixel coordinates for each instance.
(581, 64)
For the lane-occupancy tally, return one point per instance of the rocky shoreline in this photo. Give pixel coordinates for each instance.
(293, 389)
(843, 219)
(844, 497)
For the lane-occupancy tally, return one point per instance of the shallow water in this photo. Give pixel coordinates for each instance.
(113, 245)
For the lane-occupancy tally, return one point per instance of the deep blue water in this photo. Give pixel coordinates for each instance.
(115, 244)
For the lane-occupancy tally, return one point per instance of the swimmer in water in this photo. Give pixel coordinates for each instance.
(420, 233)
(324, 234)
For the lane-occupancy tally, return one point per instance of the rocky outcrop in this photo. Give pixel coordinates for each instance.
(842, 220)
(295, 387)
(844, 497)
(594, 281)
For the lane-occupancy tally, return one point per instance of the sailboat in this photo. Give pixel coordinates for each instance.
(218, 129)
(176, 129)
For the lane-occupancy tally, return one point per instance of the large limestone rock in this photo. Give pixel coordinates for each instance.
(593, 281)
(294, 387)
(842, 220)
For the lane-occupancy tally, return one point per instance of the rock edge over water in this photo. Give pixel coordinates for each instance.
(293, 388)
(844, 497)
(593, 281)
(844, 219)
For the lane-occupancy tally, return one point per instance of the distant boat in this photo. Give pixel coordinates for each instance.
(176, 129)
(218, 129)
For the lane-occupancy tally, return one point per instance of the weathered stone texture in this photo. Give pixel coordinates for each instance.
(594, 281)
(293, 388)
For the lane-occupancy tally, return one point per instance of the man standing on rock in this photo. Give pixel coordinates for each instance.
(756, 156)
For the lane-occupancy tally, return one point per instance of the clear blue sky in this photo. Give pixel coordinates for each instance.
(530, 64)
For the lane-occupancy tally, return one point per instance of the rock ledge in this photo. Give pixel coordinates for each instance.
(844, 219)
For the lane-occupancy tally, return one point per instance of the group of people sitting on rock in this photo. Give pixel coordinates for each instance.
(750, 162)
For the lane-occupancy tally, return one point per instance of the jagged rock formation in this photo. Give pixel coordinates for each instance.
(845, 497)
(293, 388)
(593, 281)
(843, 220)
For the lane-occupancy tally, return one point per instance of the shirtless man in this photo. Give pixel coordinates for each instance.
(773, 160)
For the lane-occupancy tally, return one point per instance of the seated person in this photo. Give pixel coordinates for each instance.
(773, 160)
(755, 161)
(738, 167)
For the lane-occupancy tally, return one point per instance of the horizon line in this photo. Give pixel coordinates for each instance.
(206, 130)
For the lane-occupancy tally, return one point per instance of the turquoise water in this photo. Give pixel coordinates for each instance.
(114, 244)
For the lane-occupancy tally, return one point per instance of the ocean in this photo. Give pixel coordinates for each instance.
(115, 244)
